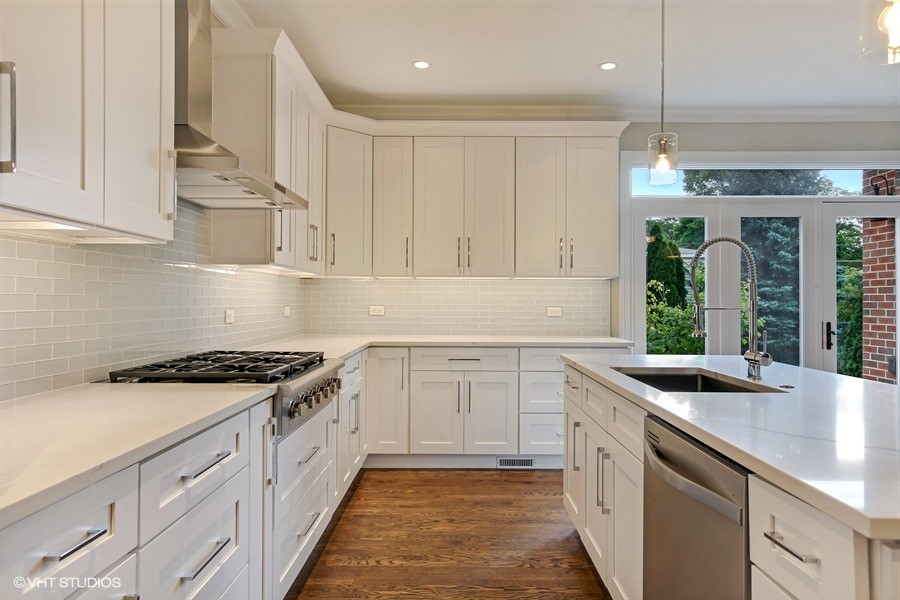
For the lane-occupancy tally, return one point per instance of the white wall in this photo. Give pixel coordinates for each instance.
(68, 314)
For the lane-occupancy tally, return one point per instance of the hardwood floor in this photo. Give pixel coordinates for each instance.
(454, 534)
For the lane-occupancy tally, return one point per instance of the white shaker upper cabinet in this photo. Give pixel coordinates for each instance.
(592, 216)
(392, 200)
(489, 247)
(310, 237)
(438, 199)
(140, 113)
(540, 207)
(348, 216)
(56, 49)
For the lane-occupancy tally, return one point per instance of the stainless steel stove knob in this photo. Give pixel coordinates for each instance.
(319, 398)
(296, 408)
(326, 392)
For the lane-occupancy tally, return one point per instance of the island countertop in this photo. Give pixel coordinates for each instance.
(833, 441)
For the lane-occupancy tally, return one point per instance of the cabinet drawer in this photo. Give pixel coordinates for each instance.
(541, 392)
(179, 478)
(295, 537)
(351, 371)
(595, 401)
(239, 588)
(836, 556)
(464, 359)
(541, 434)
(203, 551)
(548, 359)
(301, 457)
(120, 582)
(625, 422)
(572, 384)
(79, 536)
(763, 588)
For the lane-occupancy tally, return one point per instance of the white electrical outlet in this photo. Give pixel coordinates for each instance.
(287, 310)
(376, 311)
(554, 311)
(229, 316)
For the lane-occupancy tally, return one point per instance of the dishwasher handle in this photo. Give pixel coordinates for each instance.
(692, 489)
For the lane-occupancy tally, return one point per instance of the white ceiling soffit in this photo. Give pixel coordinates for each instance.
(726, 60)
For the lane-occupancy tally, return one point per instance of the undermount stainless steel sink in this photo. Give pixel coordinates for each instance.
(693, 380)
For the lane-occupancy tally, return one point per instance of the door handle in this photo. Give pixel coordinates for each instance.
(469, 252)
(220, 545)
(458, 388)
(602, 457)
(692, 489)
(560, 253)
(575, 426)
(91, 535)
(280, 245)
(830, 334)
(311, 238)
(355, 428)
(469, 394)
(778, 539)
(216, 460)
(167, 209)
(9, 68)
(459, 253)
(571, 253)
(333, 248)
(407, 252)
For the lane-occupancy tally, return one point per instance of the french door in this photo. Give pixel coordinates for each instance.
(857, 331)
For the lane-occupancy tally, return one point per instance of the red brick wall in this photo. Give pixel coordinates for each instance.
(879, 286)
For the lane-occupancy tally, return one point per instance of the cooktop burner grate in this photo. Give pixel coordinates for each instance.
(217, 366)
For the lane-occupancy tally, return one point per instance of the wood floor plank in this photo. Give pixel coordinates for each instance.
(453, 534)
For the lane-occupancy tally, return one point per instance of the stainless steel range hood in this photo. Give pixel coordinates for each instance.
(209, 174)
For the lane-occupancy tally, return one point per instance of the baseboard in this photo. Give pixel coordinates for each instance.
(454, 461)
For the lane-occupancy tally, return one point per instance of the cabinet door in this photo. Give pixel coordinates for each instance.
(302, 131)
(392, 203)
(540, 206)
(489, 247)
(387, 400)
(57, 48)
(491, 413)
(573, 463)
(347, 441)
(140, 118)
(592, 216)
(438, 197)
(436, 412)
(283, 237)
(308, 223)
(348, 215)
(624, 498)
(284, 124)
(597, 516)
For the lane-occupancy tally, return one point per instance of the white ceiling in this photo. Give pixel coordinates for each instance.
(726, 60)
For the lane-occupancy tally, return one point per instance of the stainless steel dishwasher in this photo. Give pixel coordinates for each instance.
(695, 519)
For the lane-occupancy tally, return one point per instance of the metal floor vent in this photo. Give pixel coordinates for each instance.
(515, 463)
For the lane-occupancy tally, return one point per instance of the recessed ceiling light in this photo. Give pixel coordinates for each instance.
(421, 64)
(608, 66)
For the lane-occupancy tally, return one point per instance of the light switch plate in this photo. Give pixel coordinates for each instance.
(554, 311)
(229, 316)
(376, 311)
(287, 310)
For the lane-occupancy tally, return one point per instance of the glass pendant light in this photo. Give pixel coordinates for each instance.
(662, 148)
(879, 32)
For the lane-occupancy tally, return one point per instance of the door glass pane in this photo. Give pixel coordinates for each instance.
(866, 301)
(754, 182)
(775, 243)
(671, 242)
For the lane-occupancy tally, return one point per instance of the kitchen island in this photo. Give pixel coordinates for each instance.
(827, 442)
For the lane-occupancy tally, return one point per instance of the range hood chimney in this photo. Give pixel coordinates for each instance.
(209, 174)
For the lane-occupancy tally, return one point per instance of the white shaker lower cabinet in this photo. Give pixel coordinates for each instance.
(202, 552)
(80, 536)
(117, 583)
(603, 482)
(349, 417)
(387, 400)
(541, 433)
(803, 552)
(436, 412)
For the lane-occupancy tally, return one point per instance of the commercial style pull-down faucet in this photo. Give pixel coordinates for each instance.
(755, 359)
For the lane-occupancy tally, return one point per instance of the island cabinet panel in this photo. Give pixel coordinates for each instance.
(806, 552)
(573, 464)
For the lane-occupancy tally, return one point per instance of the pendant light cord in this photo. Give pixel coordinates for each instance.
(662, 74)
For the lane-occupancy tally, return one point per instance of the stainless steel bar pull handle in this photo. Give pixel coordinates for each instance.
(778, 539)
(218, 458)
(458, 394)
(571, 253)
(220, 545)
(402, 370)
(333, 249)
(312, 452)
(312, 240)
(90, 536)
(469, 252)
(312, 521)
(459, 253)
(280, 245)
(353, 370)
(9, 68)
(465, 359)
(168, 209)
(560, 253)
(355, 428)
(469, 394)
(575, 426)
(407, 252)
(601, 457)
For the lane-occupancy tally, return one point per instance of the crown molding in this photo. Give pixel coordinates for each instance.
(230, 13)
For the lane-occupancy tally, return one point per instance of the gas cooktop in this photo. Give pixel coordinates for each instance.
(219, 366)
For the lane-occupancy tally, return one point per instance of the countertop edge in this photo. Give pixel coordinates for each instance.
(21, 508)
(872, 527)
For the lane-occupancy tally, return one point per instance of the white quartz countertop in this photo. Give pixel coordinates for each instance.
(55, 444)
(832, 441)
(345, 346)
